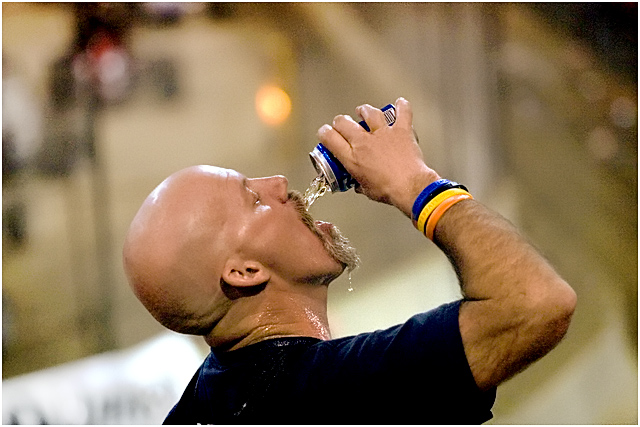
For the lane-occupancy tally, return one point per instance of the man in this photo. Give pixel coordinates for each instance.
(240, 262)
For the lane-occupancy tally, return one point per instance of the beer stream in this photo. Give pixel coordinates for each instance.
(317, 188)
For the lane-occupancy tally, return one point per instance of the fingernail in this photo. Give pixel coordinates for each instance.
(324, 128)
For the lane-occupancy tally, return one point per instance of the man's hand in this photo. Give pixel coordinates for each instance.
(387, 162)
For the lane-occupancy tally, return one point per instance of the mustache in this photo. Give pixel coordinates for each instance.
(298, 202)
(336, 244)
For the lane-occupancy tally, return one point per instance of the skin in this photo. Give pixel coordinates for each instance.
(213, 253)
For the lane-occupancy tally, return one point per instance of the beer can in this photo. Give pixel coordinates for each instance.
(334, 173)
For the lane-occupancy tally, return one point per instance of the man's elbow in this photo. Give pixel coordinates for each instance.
(555, 311)
(569, 299)
(564, 300)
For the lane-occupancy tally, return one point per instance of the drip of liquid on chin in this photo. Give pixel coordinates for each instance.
(350, 283)
(317, 188)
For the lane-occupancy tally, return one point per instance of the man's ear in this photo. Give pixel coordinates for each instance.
(244, 273)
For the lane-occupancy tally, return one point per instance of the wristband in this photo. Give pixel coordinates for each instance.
(431, 191)
(421, 200)
(433, 203)
(440, 210)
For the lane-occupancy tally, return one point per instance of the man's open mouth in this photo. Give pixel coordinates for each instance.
(334, 241)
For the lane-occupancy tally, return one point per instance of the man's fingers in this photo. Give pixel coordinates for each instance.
(347, 127)
(337, 138)
(373, 116)
(404, 114)
(334, 141)
(345, 131)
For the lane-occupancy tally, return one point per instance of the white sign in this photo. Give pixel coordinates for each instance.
(135, 386)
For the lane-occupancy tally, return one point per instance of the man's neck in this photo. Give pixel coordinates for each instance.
(275, 313)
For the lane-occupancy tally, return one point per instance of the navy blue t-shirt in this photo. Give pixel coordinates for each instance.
(414, 373)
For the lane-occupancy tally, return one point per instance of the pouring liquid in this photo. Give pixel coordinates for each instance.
(317, 188)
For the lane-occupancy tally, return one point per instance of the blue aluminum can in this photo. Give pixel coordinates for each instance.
(325, 163)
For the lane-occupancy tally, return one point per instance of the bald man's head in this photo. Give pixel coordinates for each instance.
(176, 247)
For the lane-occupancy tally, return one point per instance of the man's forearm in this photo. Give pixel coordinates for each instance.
(490, 256)
(517, 307)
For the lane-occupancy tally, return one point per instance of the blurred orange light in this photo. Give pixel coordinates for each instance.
(273, 105)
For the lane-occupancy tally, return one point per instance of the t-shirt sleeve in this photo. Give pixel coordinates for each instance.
(419, 366)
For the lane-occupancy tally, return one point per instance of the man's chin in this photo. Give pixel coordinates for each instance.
(338, 246)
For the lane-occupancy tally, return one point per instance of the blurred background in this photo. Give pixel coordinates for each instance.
(532, 106)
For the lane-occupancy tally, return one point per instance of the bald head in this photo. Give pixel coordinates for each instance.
(176, 247)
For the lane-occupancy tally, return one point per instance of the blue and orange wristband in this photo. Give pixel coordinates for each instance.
(434, 201)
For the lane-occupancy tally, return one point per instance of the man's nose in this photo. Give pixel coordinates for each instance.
(275, 186)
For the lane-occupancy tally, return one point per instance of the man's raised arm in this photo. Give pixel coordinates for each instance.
(516, 307)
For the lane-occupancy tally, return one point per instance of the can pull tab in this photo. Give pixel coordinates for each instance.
(335, 175)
